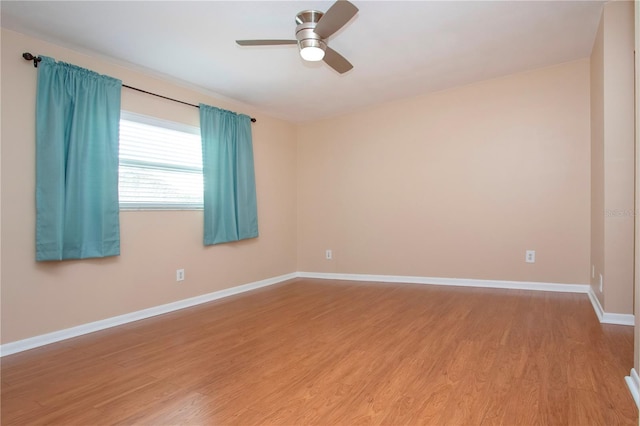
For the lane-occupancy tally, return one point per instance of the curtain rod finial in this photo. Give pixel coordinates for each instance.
(29, 57)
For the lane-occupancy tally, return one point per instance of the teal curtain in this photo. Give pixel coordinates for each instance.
(77, 123)
(230, 210)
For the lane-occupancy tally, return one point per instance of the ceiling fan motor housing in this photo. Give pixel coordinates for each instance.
(307, 21)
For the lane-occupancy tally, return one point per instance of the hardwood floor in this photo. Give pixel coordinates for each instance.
(330, 352)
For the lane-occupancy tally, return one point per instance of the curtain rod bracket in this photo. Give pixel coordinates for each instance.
(29, 57)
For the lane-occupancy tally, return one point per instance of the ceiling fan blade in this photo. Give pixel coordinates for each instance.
(265, 42)
(336, 61)
(335, 18)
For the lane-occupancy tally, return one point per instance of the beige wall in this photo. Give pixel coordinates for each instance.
(42, 297)
(454, 184)
(619, 155)
(597, 162)
(612, 168)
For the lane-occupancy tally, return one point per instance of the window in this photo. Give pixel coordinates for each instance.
(160, 164)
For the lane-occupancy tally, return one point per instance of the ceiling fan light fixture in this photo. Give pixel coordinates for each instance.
(312, 54)
(312, 50)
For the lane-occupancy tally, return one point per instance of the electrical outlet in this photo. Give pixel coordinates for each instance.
(601, 280)
(530, 256)
(328, 254)
(593, 271)
(179, 274)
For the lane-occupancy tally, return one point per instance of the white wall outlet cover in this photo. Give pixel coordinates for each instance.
(530, 256)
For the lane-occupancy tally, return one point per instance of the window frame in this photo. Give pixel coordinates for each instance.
(164, 124)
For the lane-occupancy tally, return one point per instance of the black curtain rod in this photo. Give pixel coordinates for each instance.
(29, 57)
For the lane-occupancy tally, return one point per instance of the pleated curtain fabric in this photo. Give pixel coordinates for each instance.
(77, 123)
(230, 208)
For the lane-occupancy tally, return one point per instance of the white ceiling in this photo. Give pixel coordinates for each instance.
(398, 48)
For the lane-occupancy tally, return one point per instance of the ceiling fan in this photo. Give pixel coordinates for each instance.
(312, 32)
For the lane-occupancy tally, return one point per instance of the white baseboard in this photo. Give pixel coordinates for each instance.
(608, 317)
(597, 307)
(56, 336)
(603, 317)
(459, 282)
(633, 381)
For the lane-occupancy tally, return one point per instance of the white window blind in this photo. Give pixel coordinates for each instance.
(160, 164)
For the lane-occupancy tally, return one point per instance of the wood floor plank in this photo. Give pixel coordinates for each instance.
(331, 352)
